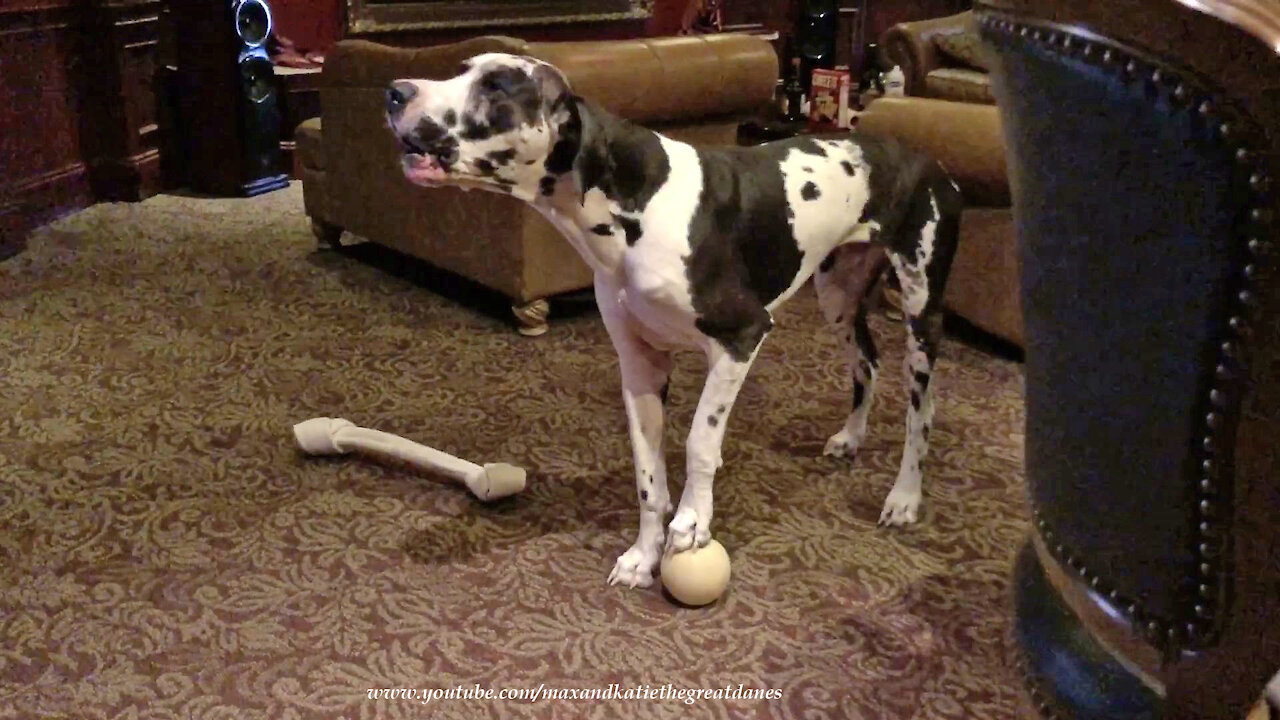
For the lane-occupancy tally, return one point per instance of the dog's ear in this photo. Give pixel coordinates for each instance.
(554, 89)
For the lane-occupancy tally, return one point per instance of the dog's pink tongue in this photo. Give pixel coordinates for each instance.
(421, 168)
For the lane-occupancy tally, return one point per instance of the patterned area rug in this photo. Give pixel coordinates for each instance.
(165, 552)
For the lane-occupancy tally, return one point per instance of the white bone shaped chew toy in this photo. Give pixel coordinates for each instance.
(335, 436)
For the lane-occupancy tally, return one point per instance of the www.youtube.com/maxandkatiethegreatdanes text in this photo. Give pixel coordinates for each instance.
(542, 693)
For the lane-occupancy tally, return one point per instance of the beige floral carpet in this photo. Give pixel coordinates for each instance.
(165, 552)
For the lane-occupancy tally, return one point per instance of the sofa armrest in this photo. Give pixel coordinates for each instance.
(967, 138)
(365, 64)
(669, 78)
(910, 45)
(650, 80)
(309, 137)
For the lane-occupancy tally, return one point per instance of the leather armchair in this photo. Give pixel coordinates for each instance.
(940, 58)
(1143, 143)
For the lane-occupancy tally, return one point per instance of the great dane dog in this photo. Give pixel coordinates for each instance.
(696, 247)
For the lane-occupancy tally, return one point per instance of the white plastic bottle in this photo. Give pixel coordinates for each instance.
(895, 82)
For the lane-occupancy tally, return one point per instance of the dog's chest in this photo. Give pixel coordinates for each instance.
(655, 292)
(651, 271)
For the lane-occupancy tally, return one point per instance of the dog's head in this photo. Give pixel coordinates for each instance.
(493, 126)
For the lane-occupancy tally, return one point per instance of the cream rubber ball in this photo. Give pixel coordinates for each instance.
(698, 576)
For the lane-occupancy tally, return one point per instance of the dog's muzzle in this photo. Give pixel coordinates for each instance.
(429, 150)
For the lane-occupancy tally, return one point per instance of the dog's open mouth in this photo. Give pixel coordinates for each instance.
(426, 165)
(426, 168)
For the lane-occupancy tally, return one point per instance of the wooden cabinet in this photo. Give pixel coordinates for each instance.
(42, 168)
(119, 133)
(77, 109)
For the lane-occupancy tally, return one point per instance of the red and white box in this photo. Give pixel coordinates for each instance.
(829, 99)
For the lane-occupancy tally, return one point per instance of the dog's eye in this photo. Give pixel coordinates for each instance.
(504, 82)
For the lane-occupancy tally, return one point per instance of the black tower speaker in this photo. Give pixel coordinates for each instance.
(228, 107)
(816, 30)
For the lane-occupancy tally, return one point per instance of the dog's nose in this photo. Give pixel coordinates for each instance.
(399, 95)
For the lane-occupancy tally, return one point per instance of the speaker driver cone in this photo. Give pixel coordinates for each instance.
(253, 22)
(258, 79)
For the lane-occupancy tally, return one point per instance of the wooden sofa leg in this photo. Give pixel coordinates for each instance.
(532, 317)
(327, 233)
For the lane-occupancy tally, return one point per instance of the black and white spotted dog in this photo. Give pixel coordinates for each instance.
(695, 247)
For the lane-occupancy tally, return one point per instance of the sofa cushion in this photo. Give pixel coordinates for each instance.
(960, 85)
(965, 48)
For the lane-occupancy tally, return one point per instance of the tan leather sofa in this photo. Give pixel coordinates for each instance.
(968, 140)
(692, 88)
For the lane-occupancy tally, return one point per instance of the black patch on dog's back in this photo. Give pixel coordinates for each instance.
(744, 254)
(809, 146)
(895, 176)
(810, 191)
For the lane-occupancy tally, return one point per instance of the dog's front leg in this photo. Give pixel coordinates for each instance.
(691, 526)
(645, 371)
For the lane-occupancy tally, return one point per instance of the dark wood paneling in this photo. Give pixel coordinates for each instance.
(623, 30)
(42, 170)
(120, 40)
(77, 112)
(774, 14)
(884, 14)
(379, 16)
(317, 24)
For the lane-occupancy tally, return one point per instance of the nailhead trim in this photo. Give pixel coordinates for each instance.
(1212, 511)
(1031, 681)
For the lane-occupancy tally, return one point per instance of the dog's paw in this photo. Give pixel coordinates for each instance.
(634, 568)
(900, 508)
(687, 531)
(844, 444)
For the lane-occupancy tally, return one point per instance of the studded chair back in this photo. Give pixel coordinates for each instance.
(1142, 142)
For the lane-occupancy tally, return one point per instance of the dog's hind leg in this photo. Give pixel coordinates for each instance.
(921, 254)
(843, 280)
